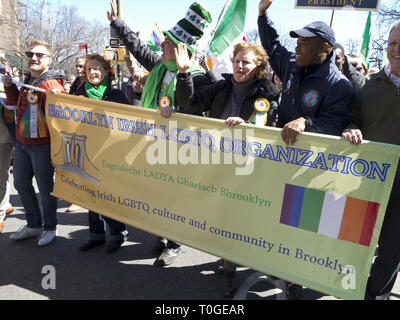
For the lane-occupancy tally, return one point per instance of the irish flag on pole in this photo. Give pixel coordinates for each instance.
(228, 32)
(366, 39)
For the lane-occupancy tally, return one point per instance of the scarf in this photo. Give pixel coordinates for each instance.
(98, 92)
(151, 90)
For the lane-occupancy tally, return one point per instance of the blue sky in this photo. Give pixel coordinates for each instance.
(142, 14)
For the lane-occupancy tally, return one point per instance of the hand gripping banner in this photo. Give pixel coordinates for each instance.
(309, 213)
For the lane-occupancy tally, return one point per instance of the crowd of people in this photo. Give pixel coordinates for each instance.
(317, 88)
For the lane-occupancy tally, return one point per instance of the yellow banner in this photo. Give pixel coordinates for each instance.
(240, 194)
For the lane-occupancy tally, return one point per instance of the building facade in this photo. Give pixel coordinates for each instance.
(9, 27)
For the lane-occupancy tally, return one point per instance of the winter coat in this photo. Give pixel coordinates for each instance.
(51, 79)
(376, 109)
(351, 73)
(75, 86)
(216, 99)
(324, 97)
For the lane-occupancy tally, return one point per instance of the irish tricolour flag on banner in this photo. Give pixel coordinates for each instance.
(228, 32)
(333, 215)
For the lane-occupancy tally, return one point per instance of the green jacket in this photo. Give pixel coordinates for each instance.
(376, 109)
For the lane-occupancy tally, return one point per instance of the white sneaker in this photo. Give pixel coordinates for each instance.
(26, 233)
(46, 238)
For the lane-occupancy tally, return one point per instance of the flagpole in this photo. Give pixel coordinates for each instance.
(333, 13)
(4, 68)
(28, 86)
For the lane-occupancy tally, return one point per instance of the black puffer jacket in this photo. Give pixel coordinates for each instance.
(216, 99)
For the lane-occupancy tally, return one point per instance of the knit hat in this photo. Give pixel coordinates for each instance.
(191, 28)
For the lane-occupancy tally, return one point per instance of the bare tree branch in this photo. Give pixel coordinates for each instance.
(63, 28)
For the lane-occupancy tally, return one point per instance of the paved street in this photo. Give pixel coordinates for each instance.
(127, 274)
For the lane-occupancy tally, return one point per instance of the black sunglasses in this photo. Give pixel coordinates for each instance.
(30, 54)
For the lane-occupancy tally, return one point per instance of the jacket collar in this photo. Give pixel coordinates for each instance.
(50, 74)
(229, 80)
(380, 75)
(324, 69)
(395, 79)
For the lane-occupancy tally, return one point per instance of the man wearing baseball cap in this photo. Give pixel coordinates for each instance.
(316, 96)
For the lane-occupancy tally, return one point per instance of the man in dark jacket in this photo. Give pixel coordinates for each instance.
(343, 64)
(161, 82)
(316, 97)
(133, 91)
(381, 124)
(79, 65)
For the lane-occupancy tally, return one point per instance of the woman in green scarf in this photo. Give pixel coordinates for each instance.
(99, 74)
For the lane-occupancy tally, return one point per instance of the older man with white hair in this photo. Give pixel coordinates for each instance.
(381, 124)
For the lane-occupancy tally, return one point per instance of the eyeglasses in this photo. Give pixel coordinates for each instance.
(39, 55)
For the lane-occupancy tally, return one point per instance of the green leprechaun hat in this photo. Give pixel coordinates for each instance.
(191, 28)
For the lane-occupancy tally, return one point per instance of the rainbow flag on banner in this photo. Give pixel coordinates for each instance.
(333, 215)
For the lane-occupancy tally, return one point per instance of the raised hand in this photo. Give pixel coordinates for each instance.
(203, 63)
(112, 15)
(183, 61)
(263, 6)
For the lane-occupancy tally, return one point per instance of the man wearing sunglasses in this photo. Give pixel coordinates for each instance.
(32, 150)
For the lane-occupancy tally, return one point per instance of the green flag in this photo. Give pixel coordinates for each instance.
(364, 51)
(229, 27)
